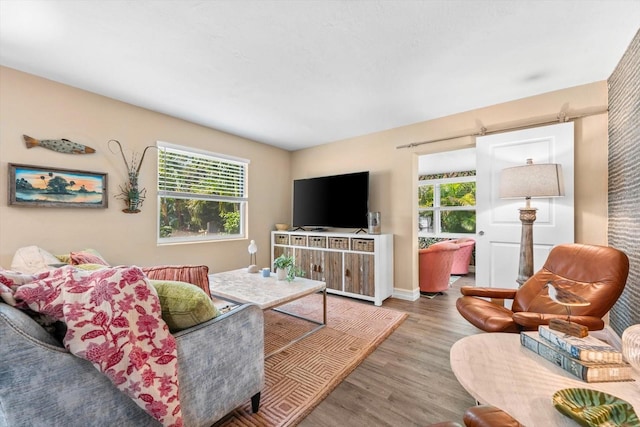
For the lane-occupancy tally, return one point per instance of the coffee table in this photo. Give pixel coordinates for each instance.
(239, 286)
(497, 370)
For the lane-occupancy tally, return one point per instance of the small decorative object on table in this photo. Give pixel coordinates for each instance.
(631, 346)
(253, 248)
(590, 372)
(282, 227)
(568, 299)
(594, 408)
(286, 268)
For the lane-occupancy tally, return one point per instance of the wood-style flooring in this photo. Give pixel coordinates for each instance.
(407, 380)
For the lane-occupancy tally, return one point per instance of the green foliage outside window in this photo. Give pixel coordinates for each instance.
(452, 195)
(458, 221)
(425, 196)
(458, 194)
(201, 196)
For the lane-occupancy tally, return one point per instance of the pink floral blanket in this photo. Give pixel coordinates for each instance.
(113, 320)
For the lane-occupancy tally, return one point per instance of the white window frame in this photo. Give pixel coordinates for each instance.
(437, 209)
(243, 201)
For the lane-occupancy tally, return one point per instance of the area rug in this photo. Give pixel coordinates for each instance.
(298, 378)
(432, 295)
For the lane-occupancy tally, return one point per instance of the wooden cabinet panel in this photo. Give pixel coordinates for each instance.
(332, 270)
(279, 250)
(359, 274)
(302, 261)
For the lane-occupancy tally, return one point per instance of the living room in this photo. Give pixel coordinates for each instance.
(44, 108)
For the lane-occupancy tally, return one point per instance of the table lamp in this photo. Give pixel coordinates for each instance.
(539, 180)
(253, 248)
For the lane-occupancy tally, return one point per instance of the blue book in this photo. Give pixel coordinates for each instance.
(588, 349)
(590, 372)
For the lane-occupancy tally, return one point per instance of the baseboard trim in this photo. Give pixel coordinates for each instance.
(406, 295)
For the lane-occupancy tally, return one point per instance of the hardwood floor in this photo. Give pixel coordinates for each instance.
(407, 380)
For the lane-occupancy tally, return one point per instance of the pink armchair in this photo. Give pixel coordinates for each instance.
(435, 266)
(462, 257)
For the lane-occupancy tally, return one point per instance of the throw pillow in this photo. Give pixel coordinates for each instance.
(66, 258)
(90, 267)
(32, 260)
(183, 305)
(86, 257)
(195, 274)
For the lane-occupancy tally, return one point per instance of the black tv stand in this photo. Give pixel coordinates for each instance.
(298, 229)
(360, 230)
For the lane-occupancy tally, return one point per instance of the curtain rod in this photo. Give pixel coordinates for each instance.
(561, 117)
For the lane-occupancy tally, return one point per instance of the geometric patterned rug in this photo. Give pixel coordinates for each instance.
(298, 378)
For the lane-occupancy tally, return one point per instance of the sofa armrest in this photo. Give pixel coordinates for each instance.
(44, 384)
(220, 364)
(195, 274)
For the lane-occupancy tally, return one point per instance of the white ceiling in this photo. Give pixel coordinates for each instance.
(295, 74)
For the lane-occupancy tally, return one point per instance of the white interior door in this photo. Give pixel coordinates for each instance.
(498, 223)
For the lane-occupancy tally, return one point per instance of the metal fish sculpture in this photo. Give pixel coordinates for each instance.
(59, 145)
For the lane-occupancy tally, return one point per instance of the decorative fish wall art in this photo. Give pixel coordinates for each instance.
(59, 145)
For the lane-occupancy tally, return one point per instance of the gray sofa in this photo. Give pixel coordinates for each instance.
(220, 367)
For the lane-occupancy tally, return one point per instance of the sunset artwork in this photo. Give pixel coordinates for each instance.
(47, 187)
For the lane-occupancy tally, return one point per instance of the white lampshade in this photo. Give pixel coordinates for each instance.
(540, 180)
(253, 248)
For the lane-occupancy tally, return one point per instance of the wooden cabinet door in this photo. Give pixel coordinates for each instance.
(332, 270)
(316, 265)
(359, 274)
(303, 261)
(279, 250)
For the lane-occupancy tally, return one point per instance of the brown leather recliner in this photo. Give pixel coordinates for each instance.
(483, 416)
(596, 273)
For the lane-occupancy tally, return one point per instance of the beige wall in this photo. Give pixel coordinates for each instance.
(47, 110)
(394, 171)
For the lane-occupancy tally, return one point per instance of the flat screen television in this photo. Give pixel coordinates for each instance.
(337, 201)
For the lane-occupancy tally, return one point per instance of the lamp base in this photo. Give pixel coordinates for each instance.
(569, 327)
(525, 265)
(252, 269)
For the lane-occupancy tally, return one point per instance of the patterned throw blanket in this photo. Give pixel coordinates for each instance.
(113, 320)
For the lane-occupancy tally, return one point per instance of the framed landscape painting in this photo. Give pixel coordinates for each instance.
(37, 186)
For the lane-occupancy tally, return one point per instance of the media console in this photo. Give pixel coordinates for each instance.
(358, 266)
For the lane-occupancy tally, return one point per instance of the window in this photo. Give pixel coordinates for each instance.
(201, 195)
(447, 205)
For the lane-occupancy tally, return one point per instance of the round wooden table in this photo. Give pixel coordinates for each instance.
(496, 370)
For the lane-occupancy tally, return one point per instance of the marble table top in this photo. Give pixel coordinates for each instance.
(266, 292)
(497, 370)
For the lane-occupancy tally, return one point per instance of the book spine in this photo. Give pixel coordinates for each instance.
(560, 343)
(618, 372)
(584, 354)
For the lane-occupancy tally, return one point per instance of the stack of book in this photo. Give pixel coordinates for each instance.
(588, 358)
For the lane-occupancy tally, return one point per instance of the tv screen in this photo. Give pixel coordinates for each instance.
(337, 201)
